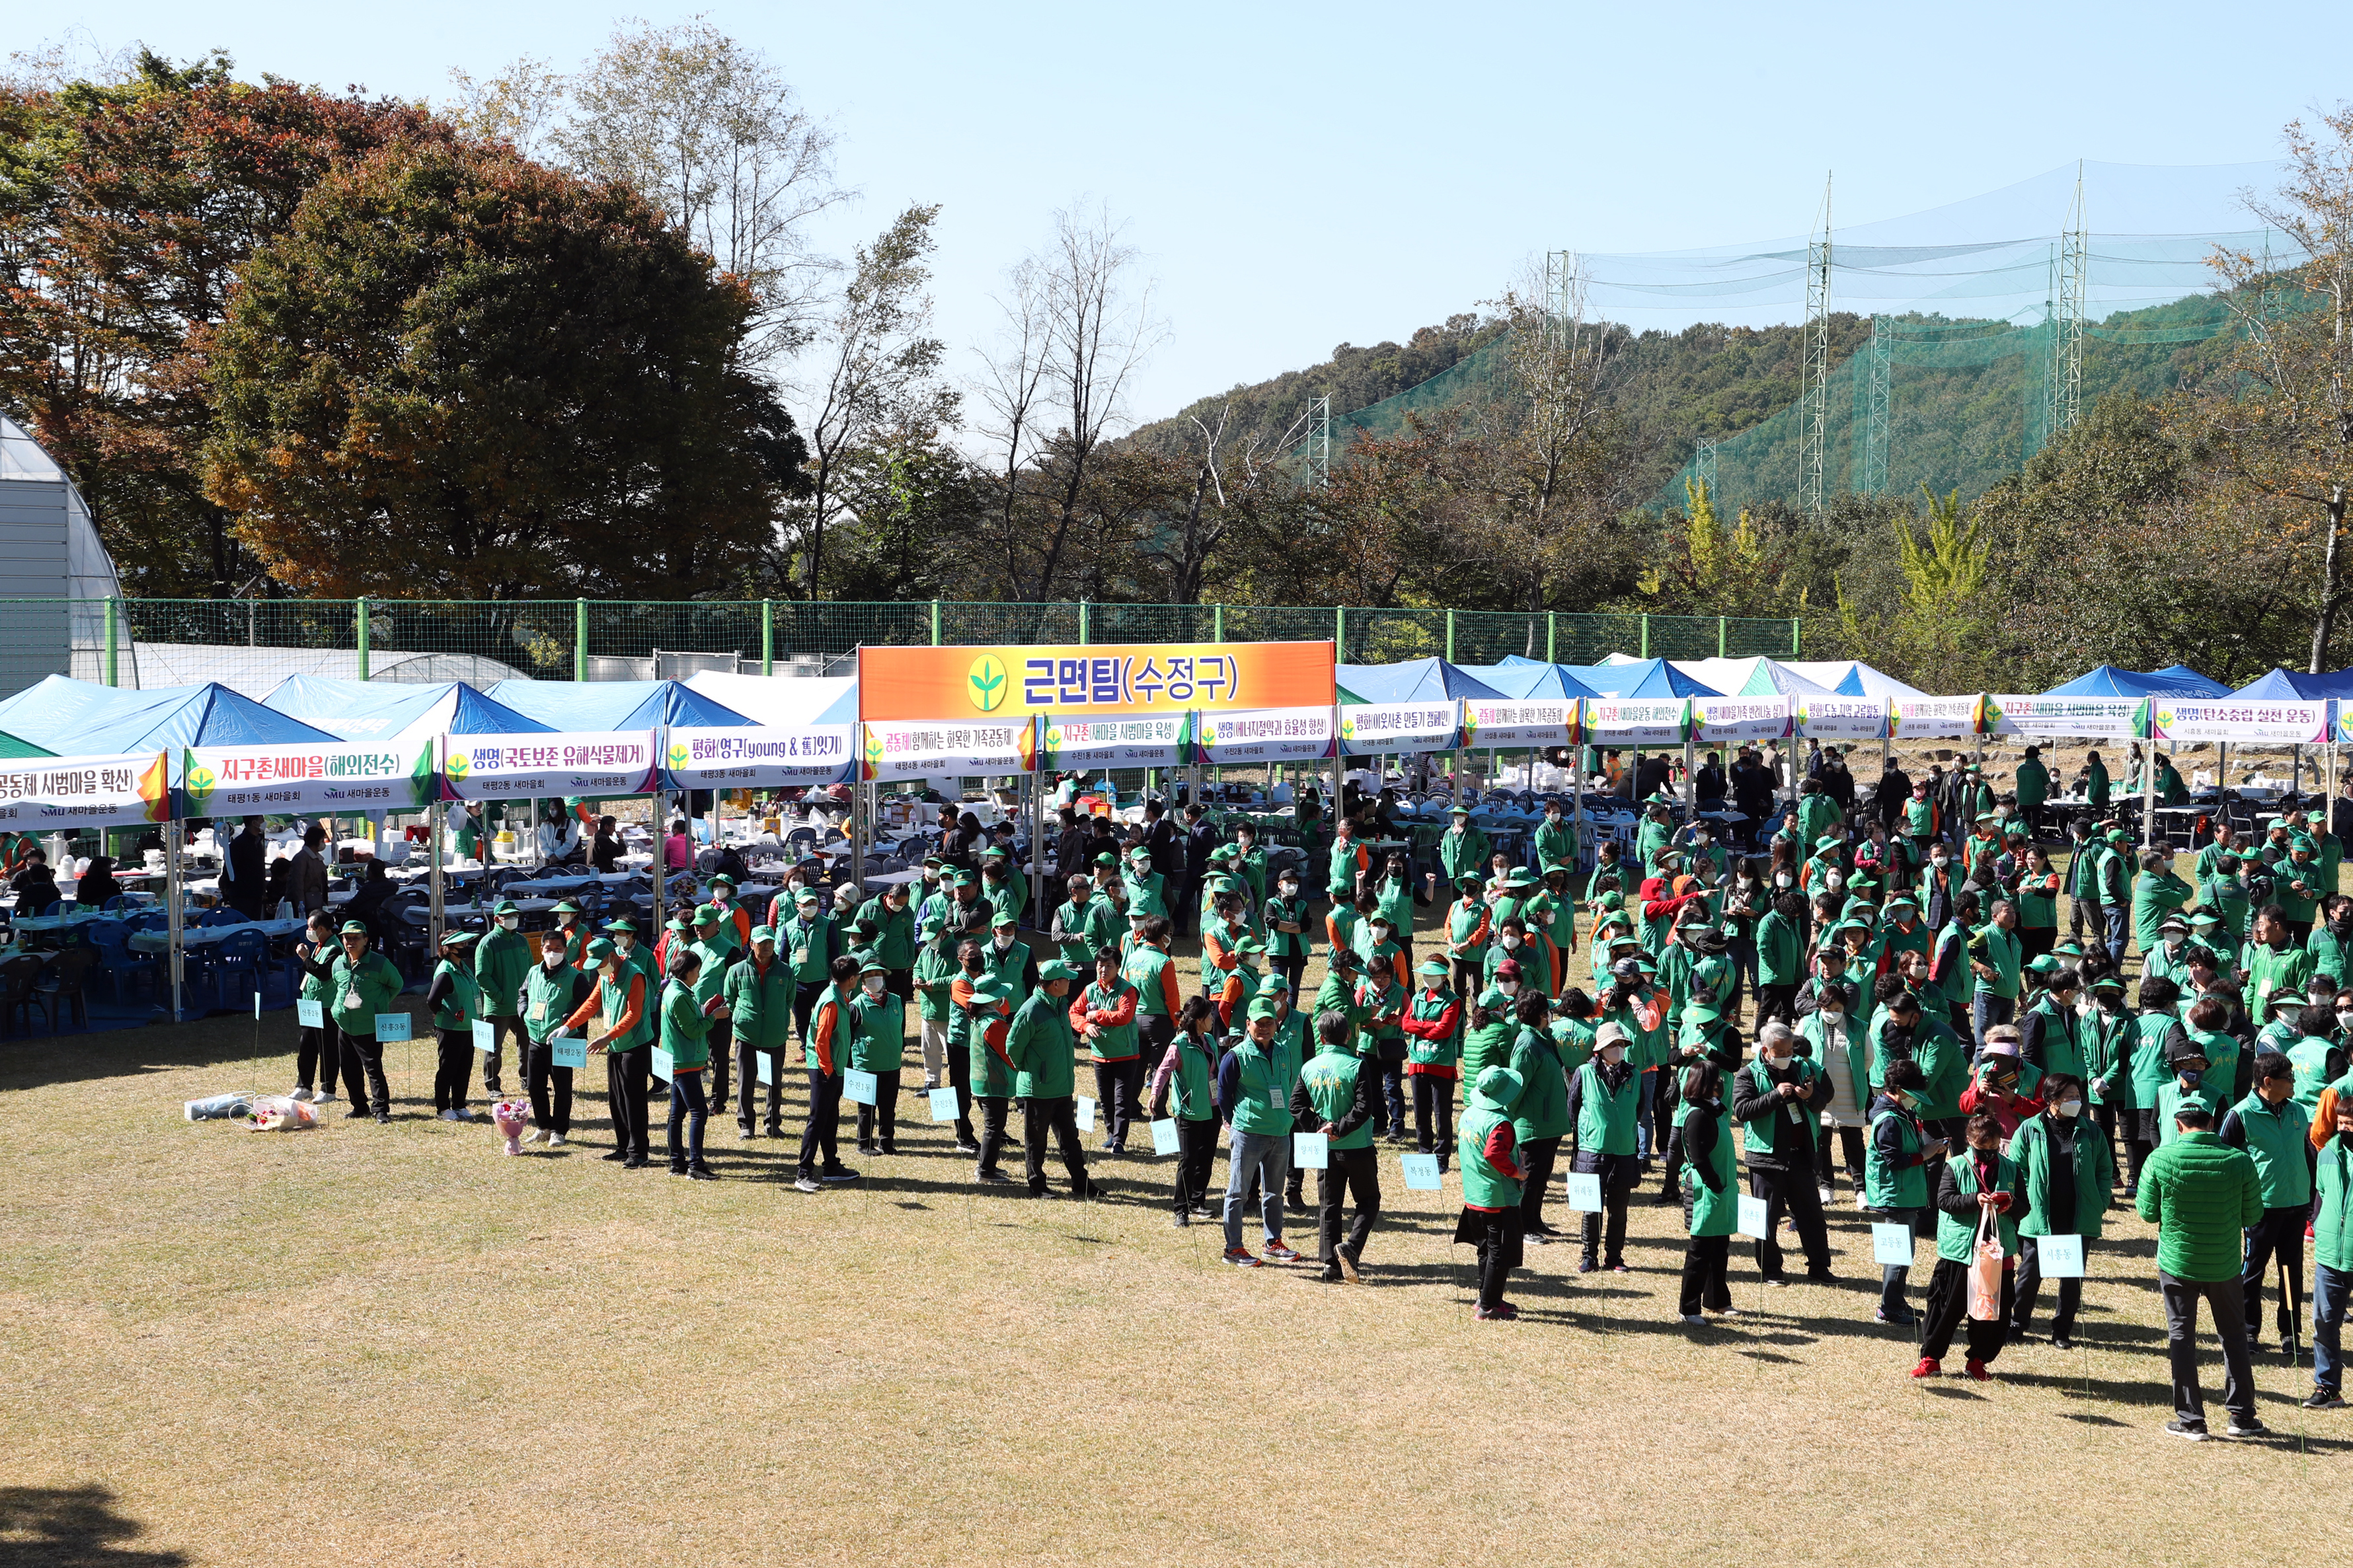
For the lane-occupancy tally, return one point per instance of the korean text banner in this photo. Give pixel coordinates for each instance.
(1933, 718)
(2239, 720)
(578, 762)
(1634, 721)
(1486, 722)
(39, 795)
(1735, 720)
(1379, 729)
(951, 750)
(1262, 735)
(1078, 741)
(253, 781)
(739, 756)
(2104, 718)
(1014, 682)
(1842, 717)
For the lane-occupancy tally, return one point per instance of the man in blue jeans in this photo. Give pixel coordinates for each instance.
(1254, 1095)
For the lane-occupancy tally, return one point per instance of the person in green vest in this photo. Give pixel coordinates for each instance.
(1711, 1198)
(1254, 1082)
(809, 944)
(983, 1008)
(1184, 1084)
(686, 1020)
(878, 1044)
(2050, 1033)
(825, 1053)
(1470, 927)
(2204, 1196)
(318, 1054)
(1146, 889)
(619, 1019)
(2134, 1079)
(1555, 843)
(2069, 1173)
(936, 968)
(1103, 1016)
(2084, 883)
(552, 992)
(999, 888)
(1487, 1149)
(2276, 1131)
(2116, 874)
(1335, 1096)
(1066, 928)
(2317, 1055)
(1380, 1005)
(1289, 943)
(501, 959)
(894, 921)
(360, 984)
(1835, 1040)
(1558, 912)
(1995, 956)
(1778, 1098)
(2157, 893)
(1897, 1174)
(759, 994)
(455, 1000)
(1603, 1107)
(1489, 1030)
(1981, 1190)
(1250, 864)
(1655, 834)
(2332, 1235)
(1349, 863)
(1540, 1120)
(2331, 942)
(1781, 958)
(1042, 1046)
(1290, 1034)
(1432, 1026)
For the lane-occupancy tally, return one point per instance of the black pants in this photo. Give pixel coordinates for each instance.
(627, 1078)
(1777, 1002)
(722, 1050)
(992, 1131)
(1540, 1155)
(1197, 1151)
(820, 1135)
(1790, 1192)
(1605, 1233)
(1433, 1115)
(2030, 1288)
(453, 1069)
(2229, 1305)
(364, 1083)
(1707, 1261)
(539, 1075)
(1294, 968)
(1892, 1276)
(1058, 1118)
(1849, 1139)
(1392, 1104)
(318, 1058)
(807, 994)
(878, 1124)
(1948, 1304)
(2137, 1127)
(501, 1028)
(748, 1058)
(1347, 1172)
(1115, 1086)
(1499, 1251)
(689, 1109)
(2106, 1118)
(2279, 1233)
(960, 1080)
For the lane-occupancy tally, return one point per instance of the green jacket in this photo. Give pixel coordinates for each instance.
(1488, 1045)
(1042, 1047)
(2269, 969)
(2094, 1175)
(685, 1032)
(456, 1011)
(2201, 1195)
(2332, 1227)
(357, 993)
(2034, 781)
(760, 1002)
(894, 935)
(1543, 1108)
(2156, 894)
(1463, 853)
(500, 960)
(2279, 1142)
(1780, 956)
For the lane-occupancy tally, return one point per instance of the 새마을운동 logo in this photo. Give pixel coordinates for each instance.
(988, 683)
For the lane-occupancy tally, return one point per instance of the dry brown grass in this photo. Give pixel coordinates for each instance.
(390, 1344)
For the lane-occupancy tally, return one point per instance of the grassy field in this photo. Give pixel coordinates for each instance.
(391, 1344)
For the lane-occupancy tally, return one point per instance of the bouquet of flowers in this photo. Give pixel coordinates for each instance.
(281, 1114)
(511, 1117)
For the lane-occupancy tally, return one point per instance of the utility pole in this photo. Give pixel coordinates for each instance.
(1815, 409)
(2067, 344)
(1871, 473)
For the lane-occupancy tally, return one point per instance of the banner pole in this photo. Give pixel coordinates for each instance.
(435, 816)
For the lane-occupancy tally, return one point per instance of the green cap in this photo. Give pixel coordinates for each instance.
(1341, 888)
(1828, 841)
(1492, 1000)
(806, 895)
(763, 934)
(1520, 876)
(705, 915)
(1498, 1088)
(1248, 947)
(1055, 968)
(1471, 881)
(1261, 1007)
(506, 907)
(1432, 966)
(1278, 980)
(599, 949)
(2042, 963)
(963, 878)
(995, 987)
(1005, 918)
(355, 928)
(566, 907)
(726, 876)
(617, 924)
(873, 966)
(1697, 1011)
(459, 937)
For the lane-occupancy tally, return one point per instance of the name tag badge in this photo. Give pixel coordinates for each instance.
(538, 1011)
(351, 1002)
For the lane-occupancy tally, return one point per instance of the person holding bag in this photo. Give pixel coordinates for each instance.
(2069, 1175)
(1981, 1195)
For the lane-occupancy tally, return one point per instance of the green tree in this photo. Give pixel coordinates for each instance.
(461, 374)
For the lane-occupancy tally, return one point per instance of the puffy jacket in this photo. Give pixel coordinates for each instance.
(2201, 1194)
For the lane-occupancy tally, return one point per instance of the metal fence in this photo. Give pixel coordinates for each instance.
(250, 645)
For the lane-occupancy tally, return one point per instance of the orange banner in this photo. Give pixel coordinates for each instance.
(1123, 677)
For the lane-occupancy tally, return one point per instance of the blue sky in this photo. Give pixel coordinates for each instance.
(1298, 177)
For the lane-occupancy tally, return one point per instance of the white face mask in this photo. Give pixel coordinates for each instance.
(508, 922)
(1508, 987)
(1004, 942)
(2071, 1107)
(1833, 1014)
(1613, 1055)
(721, 894)
(873, 984)
(1940, 862)
(553, 960)
(1511, 942)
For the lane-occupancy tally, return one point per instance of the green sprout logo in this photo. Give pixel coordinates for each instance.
(457, 766)
(989, 686)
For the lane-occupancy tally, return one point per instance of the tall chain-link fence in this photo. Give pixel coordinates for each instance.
(251, 645)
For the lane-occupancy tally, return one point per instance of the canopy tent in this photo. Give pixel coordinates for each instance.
(10, 746)
(1751, 677)
(258, 672)
(2197, 685)
(2296, 686)
(1528, 682)
(80, 718)
(1852, 677)
(782, 702)
(585, 705)
(396, 713)
(1650, 678)
(2107, 680)
(1414, 680)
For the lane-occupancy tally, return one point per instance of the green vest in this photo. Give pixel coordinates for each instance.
(2062, 1046)
(2002, 954)
(2147, 1071)
(2094, 1172)
(1262, 1098)
(1142, 971)
(685, 1032)
(1605, 1120)
(1715, 1213)
(878, 1032)
(1117, 1042)
(2309, 1057)
(2276, 1140)
(1956, 1236)
(613, 1000)
(1189, 1085)
(1428, 1006)
(1885, 1186)
(546, 999)
(2332, 1227)
(1763, 1135)
(1484, 1186)
(456, 1010)
(1330, 1080)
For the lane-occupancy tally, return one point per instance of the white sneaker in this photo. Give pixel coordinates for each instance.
(301, 1094)
(1693, 1318)
(535, 1136)
(1826, 1194)
(555, 1141)
(325, 1096)
(459, 1113)
(445, 1116)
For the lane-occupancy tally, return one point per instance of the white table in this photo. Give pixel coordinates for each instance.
(208, 936)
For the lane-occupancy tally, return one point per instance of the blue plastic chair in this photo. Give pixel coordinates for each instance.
(234, 970)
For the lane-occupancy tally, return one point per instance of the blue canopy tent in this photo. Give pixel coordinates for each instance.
(1415, 681)
(2197, 684)
(2296, 686)
(614, 704)
(1529, 683)
(1852, 678)
(1647, 677)
(79, 718)
(2107, 680)
(375, 710)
